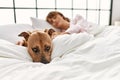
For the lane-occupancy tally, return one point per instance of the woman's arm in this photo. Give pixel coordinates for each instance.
(22, 43)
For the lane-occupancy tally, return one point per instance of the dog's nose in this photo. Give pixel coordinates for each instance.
(44, 61)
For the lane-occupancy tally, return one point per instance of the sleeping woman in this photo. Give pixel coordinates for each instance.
(59, 21)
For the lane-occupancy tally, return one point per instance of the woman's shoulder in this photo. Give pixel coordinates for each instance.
(77, 18)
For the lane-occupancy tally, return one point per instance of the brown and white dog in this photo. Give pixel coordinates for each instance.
(39, 44)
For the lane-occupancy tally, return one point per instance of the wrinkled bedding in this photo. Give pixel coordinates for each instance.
(75, 57)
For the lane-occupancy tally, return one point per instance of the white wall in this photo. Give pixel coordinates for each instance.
(116, 11)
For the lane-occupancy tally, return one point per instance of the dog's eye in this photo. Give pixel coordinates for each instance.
(36, 50)
(47, 48)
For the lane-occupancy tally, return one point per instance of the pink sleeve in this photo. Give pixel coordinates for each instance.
(74, 26)
(72, 29)
(76, 19)
(75, 29)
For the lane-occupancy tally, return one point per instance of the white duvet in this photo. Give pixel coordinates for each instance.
(75, 57)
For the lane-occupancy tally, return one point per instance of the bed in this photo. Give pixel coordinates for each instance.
(80, 56)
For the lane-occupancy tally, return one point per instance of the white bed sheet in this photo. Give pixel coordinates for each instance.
(75, 57)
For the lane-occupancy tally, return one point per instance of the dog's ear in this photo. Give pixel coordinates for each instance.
(49, 31)
(25, 35)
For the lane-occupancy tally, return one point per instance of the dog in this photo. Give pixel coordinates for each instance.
(39, 44)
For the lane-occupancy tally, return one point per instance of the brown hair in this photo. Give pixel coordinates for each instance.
(54, 13)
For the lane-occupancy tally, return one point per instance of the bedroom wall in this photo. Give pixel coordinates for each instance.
(116, 11)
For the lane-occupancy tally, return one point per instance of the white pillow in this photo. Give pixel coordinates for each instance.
(96, 29)
(10, 32)
(41, 24)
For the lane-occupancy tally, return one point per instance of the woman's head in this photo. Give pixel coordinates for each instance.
(57, 19)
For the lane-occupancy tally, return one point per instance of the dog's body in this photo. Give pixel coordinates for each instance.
(39, 44)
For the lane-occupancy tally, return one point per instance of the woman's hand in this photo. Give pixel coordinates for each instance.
(55, 34)
(21, 43)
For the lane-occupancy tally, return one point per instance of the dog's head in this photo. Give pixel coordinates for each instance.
(39, 45)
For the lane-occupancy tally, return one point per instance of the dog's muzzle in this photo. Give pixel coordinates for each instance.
(43, 60)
